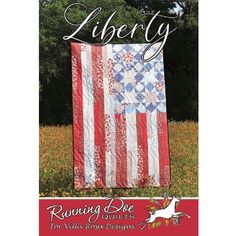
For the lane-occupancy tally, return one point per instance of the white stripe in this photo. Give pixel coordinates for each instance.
(153, 153)
(109, 109)
(132, 150)
(88, 116)
(106, 111)
(108, 48)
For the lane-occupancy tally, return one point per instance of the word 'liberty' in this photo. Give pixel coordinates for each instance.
(109, 31)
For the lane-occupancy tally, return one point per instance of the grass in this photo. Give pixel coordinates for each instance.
(56, 164)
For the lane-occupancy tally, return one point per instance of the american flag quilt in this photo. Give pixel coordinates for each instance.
(119, 117)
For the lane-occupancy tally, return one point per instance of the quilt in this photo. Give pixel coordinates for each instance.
(120, 134)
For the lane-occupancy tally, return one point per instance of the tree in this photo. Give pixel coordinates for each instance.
(180, 51)
(180, 55)
(54, 56)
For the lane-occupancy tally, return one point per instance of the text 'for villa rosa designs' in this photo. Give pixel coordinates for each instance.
(109, 31)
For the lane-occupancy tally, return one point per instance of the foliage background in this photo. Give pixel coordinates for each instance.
(180, 52)
(181, 76)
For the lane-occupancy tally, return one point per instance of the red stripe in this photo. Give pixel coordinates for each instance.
(121, 151)
(141, 123)
(163, 149)
(78, 131)
(99, 124)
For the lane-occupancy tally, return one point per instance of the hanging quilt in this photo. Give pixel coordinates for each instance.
(119, 117)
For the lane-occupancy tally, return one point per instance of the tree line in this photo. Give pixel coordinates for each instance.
(180, 52)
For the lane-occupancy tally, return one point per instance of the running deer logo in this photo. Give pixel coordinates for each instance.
(167, 213)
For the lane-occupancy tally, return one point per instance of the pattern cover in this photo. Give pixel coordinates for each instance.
(119, 117)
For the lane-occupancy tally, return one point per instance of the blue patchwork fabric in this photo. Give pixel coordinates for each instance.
(143, 82)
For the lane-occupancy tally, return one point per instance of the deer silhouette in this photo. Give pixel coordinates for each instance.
(166, 213)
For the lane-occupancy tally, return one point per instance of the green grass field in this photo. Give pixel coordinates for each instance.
(56, 165)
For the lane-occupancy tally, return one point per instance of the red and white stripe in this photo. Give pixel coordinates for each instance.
(112, 150)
